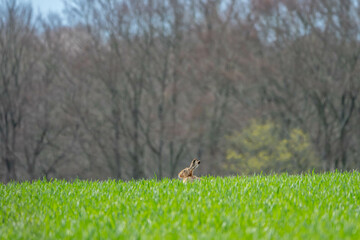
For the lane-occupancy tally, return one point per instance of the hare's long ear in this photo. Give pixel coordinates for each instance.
(193, 163)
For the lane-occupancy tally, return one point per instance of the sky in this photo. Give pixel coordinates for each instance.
(46, 6)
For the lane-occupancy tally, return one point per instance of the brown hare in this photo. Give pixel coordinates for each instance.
(187, 173)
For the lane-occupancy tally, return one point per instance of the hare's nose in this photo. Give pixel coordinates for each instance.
(199, 162)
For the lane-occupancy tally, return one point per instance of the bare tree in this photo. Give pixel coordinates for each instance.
(29, 125)
(312, 81)
(17, 65)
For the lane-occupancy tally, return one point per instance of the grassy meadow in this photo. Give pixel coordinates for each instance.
(311, 206)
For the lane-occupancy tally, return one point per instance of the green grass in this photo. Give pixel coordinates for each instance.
(324, 206)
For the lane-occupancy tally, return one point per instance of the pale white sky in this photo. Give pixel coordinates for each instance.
(46, 6)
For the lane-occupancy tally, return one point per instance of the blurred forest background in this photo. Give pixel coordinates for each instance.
(129, 89)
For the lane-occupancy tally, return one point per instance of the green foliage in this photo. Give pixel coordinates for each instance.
(311, 206)
(264, 148)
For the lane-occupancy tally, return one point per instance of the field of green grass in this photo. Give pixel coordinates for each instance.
(312, 206)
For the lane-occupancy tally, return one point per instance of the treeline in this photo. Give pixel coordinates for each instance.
(132, 89)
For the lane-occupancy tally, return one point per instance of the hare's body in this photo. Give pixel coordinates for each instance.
(190, 179)
(187, 173)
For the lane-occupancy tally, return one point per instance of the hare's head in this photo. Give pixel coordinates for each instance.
(194, 163)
